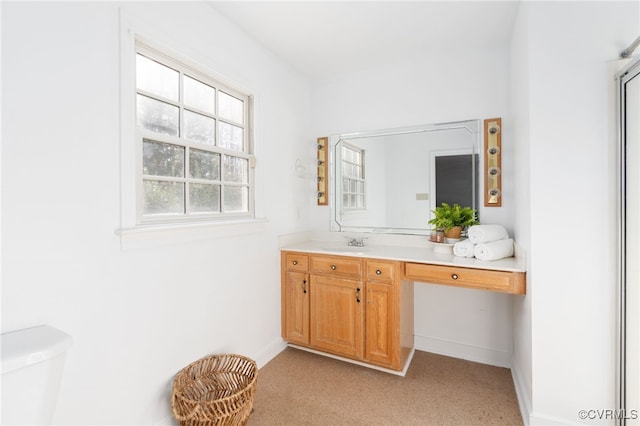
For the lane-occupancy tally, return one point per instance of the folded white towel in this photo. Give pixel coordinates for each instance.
(484, 233)
(494, 250)
(463, 248)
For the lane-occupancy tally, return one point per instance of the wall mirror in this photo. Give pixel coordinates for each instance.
(389, 180)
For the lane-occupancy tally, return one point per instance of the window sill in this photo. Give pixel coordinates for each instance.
(148, 236)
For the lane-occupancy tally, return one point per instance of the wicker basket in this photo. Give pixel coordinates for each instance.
(215, 390)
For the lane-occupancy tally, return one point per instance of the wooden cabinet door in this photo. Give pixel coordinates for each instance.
(379, 324)
(296, 308)
(337, 314)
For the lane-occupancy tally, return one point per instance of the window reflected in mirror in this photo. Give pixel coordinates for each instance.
(353, 183)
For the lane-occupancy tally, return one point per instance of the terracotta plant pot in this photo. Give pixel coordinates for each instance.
(453, 232)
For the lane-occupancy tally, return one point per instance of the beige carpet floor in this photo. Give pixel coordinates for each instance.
(301, 388)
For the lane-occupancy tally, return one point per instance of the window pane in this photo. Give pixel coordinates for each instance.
(157, 116)
(198, 156)
(204, 198)
(204, 165)
(162, 159)
(348, 155)
(235, 169)
(156, 78)
(199, 128)
(163, 197)
(199, 95)
(230, 108)
(236, 199)
(231, 136)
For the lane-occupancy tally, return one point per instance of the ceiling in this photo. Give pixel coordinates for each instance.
(326, 39)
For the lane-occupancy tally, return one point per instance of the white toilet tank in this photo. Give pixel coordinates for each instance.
(32, 363)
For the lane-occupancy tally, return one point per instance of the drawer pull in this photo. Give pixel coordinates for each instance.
(333, 267)
(454, 276)
(378, 272)
(295, 262)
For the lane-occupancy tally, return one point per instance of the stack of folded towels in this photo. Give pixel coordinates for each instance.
(485, 242)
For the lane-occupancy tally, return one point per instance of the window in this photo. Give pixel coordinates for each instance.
(353, 194)
(193, 133)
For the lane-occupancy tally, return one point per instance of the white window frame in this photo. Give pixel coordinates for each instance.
(351, 178)
(144, 134)
(132, 233)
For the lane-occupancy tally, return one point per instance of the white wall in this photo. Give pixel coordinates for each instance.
(562, 110)
(460, 86)
(407, 174)
(136, 316)
(519, 117)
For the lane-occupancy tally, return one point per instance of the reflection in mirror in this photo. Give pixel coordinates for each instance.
(390, 180)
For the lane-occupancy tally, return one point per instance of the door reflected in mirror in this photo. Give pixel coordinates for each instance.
(390, 180)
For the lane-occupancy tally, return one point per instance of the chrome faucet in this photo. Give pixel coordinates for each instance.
(356, 242)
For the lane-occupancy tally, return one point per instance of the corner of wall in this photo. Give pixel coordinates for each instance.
(524, 399)
(459, 350)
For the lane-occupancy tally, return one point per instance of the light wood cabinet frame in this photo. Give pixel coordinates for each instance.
(361, 308)
(481, 279)
(322, 149)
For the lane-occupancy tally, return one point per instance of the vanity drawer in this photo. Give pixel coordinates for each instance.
(297, 262)
(378, 270)
(501, 281)
(336, 266)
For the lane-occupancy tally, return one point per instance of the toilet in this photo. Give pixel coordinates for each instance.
(32, 362)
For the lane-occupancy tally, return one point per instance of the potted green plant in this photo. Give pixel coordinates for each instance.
(452, 219)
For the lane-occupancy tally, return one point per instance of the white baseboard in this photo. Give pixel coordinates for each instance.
(167, 421)
(537, 420)
(360, 363)
(524, 399)
(463, 351)
(269, 352)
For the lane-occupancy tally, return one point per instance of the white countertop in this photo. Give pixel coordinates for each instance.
(404, 253)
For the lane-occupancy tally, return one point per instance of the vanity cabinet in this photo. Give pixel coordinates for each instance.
(337, 315)
(350, 307)
(362, 308)
(382, 321)
(295, 298)
(482, 279)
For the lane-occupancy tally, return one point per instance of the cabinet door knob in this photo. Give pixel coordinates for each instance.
(358, 294)
(304, 286)
(295, 262)
(378, 272)
(333, 267)
(454, 276)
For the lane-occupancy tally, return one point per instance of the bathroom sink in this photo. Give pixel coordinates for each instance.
(347, 249)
